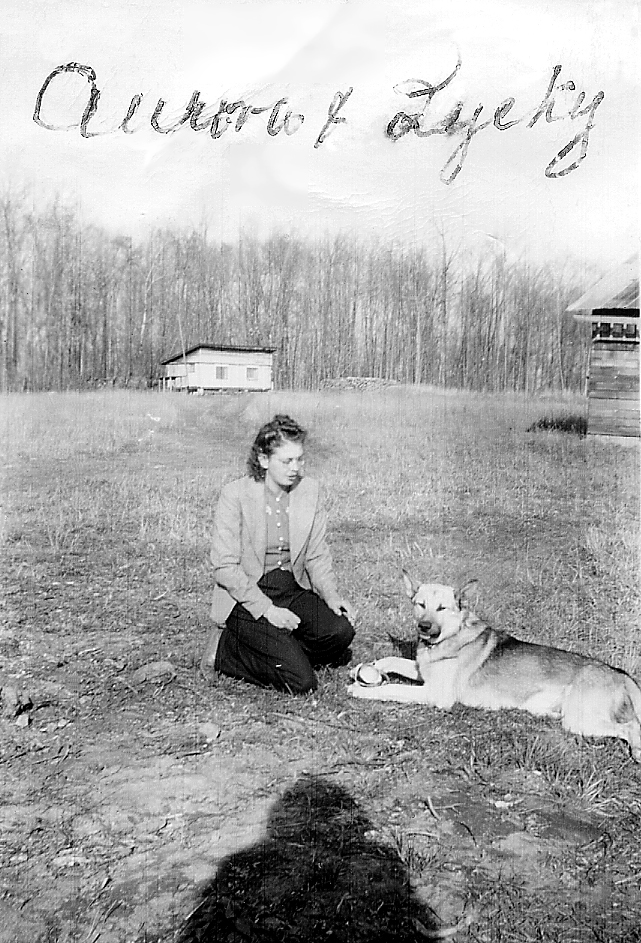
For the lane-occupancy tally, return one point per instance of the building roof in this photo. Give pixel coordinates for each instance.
(618, 289)
(239, 350)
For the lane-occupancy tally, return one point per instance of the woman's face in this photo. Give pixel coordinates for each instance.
(284, 466)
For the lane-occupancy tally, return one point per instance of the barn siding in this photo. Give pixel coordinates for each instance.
(613, 389)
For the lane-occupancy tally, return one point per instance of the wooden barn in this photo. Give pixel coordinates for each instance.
(207, 367)
(612, 306)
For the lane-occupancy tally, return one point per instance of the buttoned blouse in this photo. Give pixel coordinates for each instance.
(277, 553)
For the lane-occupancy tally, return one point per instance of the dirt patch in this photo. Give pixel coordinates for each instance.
(165, 809)
(136, 813)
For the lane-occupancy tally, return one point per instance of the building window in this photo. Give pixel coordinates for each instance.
(252, 373)
(604, 330)
(222, 373)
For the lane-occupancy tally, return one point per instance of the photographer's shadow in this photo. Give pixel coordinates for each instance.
(315, 876)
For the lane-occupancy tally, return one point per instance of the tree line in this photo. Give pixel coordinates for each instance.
(80, 307)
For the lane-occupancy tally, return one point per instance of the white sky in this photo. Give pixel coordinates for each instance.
(358, 180)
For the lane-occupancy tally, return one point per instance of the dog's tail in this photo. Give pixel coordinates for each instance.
(634, 730)
(634, 693)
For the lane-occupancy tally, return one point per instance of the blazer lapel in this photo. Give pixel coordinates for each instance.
(302, 505)
(253, 506)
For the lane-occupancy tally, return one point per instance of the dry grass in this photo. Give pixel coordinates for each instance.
(108, 501)
(449, 485)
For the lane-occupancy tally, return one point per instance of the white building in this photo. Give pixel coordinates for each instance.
(208, 367)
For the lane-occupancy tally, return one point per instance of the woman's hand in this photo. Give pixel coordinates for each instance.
(282, 618)
(344, 608)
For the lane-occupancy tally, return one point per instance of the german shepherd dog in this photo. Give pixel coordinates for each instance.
(460, 659)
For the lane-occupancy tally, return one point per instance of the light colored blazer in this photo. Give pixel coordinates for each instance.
(240, 541)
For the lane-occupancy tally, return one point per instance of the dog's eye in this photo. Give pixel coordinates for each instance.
(440, 608)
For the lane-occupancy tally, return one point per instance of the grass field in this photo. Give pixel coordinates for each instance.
(139, 807)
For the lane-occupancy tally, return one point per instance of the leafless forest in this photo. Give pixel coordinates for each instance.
(80, 307)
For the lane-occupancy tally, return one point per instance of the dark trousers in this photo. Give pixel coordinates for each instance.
(256, 651)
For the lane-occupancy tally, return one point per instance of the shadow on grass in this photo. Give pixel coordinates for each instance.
(576, 424)
(317, 875)
(405, 647)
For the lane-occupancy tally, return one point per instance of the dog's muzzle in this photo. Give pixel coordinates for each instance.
(428, 633)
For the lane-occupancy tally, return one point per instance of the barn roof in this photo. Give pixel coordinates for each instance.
(618, 289)
(238, 350)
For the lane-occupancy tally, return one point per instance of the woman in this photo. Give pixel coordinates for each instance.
(276, 606)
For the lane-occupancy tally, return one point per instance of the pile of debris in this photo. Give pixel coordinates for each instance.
(357, 383)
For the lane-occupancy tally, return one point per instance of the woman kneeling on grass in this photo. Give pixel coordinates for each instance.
(276, 606)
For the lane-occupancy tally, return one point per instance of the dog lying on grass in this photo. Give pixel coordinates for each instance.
(461, 660)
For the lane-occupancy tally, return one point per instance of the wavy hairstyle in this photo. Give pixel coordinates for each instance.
(270, 437)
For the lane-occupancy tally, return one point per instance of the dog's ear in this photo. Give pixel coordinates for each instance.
(460, 593)
(411, 588)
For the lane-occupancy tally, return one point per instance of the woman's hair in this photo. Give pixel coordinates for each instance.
(270, 437)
